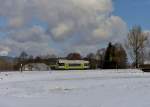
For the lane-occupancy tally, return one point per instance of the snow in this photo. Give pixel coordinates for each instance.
(89, 88)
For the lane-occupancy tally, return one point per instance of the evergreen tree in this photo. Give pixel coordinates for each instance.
(115, 57)
(120, 56)
(108, 59)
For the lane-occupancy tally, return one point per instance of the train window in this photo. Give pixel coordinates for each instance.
(61, 64)
(74, 64)
(86, 64)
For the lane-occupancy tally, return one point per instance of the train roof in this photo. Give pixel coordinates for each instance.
(72, 61)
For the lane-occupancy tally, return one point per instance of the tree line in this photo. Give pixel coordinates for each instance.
(114, 56)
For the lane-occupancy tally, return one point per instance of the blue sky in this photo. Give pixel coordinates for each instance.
(134, 12)
(62, 26)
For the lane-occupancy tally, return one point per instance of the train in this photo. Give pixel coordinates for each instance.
(64, 64)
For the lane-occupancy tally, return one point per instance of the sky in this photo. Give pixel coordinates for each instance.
(42, 27)
(134, 12)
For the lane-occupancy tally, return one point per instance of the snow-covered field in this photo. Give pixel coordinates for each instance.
(95, 88)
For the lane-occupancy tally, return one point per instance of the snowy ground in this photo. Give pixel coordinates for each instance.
(110, 88)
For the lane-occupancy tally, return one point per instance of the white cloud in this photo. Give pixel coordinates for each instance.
(16, 22)
(4, 50)
(61, 31)
(32, 40)
(3, 53)
(33, 34)
(72, 22)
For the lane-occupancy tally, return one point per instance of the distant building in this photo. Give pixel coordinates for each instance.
(147, 62)
(146, 66)
(36, 67)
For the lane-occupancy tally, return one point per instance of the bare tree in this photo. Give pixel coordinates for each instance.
(136, 43)
(91, 57)
(23, 55)
(100, 57)
(74, 56)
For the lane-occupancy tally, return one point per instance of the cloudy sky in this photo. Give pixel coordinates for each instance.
(42, 27)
